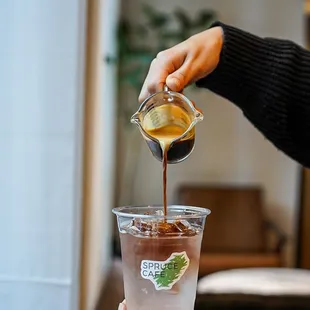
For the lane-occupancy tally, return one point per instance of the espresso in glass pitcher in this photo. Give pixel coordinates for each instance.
(167, 122)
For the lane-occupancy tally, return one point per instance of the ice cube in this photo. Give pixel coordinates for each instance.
(160, 213)
(185, 227)
(161, 227)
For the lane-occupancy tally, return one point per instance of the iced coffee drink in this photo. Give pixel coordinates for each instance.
(160, 255)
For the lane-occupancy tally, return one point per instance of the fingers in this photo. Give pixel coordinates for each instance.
(164, 64)
(154, 81)
(184, 63)
(179, 79)
(122, 305)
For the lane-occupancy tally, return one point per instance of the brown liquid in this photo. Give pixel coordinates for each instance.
(165, 180)
(177, 151)
(167, 152)
(156, 239)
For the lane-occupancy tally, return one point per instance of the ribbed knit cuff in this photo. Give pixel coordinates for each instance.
(268, 79)
(242, 56)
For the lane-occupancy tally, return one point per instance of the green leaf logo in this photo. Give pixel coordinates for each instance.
(164, 274)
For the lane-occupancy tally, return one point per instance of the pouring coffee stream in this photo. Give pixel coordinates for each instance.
(167, 122)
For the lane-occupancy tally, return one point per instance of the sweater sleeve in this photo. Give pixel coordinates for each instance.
(269, 80)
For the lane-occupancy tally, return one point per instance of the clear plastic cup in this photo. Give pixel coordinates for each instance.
(160, 255)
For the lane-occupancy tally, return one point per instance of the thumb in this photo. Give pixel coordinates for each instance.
(122, 306)
(179, 79)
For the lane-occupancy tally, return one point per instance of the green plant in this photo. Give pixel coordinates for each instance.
(139, 43)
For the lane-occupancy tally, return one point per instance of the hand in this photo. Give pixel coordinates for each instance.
(184, 63)
(122, 306)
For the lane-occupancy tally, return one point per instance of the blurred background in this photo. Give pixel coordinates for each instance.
(71, 72)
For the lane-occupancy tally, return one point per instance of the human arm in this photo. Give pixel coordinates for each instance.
(268, 79)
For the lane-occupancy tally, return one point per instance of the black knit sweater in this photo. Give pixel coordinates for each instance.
(269, 80)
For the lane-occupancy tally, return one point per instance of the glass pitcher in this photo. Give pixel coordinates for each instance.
(167, 120)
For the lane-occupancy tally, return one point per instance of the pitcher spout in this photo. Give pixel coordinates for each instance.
(198, 116)
(135, 119)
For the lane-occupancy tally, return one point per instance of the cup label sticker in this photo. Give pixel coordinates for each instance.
(164, 274)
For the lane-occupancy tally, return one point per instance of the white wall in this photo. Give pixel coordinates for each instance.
(233, 151)
(41, 100)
